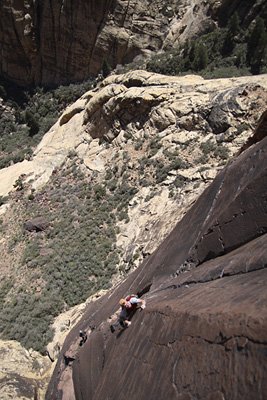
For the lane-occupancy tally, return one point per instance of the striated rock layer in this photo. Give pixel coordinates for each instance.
(203, 334)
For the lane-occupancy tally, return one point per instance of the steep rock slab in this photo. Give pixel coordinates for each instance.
(207, 326)
(193, 342)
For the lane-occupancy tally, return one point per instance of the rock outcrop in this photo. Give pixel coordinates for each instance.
(138, 109)
(143, 105)
(203, 332)
(48, 43)
(23, 373)
(37, 224)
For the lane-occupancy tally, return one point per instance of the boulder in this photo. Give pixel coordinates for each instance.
(37, 224)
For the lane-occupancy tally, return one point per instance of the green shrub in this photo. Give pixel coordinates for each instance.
(30, 115)
(106, 68)
(19, 184)
(32, 123)
(5, 287)
(221, 152)
(242, 127)
(208, 147)
(100, 191)
(28, 318)
(179, 181)
(200, 60)
(31, 251)
(139, 144)
(219, 53)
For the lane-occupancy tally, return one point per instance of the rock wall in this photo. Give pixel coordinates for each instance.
(47, 43)
(203, 332)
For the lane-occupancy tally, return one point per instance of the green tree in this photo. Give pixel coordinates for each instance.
(201, 57)
(257, 46)
(234, 24)
(32, 123)
(106, 68)
(233, 28)
(192, 52)
(3, 93)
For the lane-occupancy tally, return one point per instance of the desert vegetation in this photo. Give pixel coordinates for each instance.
(72, 259)
(228, 50)
(76, 255)
(26, 115)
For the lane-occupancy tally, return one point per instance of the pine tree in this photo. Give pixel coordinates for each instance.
(234, 24)
(185, 61)
(106, 69)
(201, 57)
(257, 47)
(233, 28)
(192, 52)
(32, 123)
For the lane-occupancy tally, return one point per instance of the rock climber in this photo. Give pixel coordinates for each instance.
(83, 336)
(128, 306)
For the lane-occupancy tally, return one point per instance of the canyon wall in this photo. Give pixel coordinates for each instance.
(50, 43)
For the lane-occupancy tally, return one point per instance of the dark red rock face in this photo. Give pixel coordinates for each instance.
(46, 42)
(53, 42)
(259, 134)
(203, 334)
